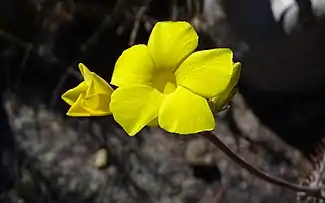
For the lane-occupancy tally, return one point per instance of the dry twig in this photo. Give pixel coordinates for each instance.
(26, 45)
(138, 18)
(314, 178)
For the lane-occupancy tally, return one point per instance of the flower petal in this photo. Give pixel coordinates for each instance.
(93, 106)
(98, 97)
(184, 112)
(98, 105)
(72, 95)
(164, 81)
(235, 75)
(222, 99)
(133, 67)
(86, 73)
(135, 106)
(170, 43)
(77, 109)
(207, 72)
(98, 85)
(91, 97)
(154, 123)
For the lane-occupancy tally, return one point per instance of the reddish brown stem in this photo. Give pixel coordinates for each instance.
(316, 192)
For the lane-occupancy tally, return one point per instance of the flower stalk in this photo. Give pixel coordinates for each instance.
(316, 192)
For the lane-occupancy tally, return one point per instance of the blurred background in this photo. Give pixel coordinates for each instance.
(276, 121)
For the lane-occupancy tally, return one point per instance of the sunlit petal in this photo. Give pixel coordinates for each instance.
(207, 72)
(235, 75)
(93, 106)
(164, 81)
(222, 99)
(78, 108)
(72, 95)
(86, 73)
(98, 85)
(133, 67)
(91, 97)
(170, 43)
(98, 105)
(135, 106)
(184, 112)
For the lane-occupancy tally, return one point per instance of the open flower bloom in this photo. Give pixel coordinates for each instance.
(91, 97)
(166, 83)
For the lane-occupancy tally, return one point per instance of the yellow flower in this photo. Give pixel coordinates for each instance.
(219, 101)
(166, 83)
(91, 97)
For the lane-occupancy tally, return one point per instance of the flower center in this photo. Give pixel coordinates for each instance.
(164, 81)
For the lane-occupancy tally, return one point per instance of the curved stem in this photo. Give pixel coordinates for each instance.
(258, 173)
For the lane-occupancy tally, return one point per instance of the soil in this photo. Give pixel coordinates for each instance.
(57, 161)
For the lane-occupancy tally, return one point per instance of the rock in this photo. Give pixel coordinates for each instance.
(101, 158)
(196, 151)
